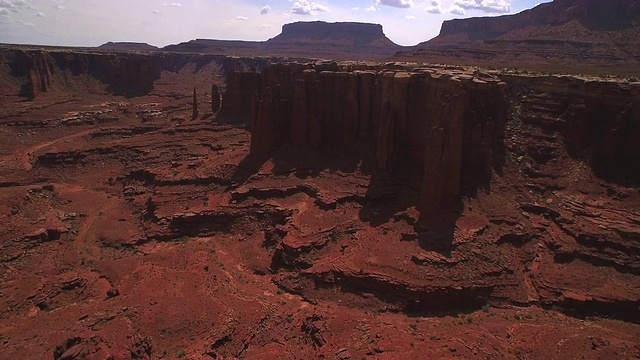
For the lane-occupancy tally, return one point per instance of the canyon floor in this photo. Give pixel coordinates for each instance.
(131, 230)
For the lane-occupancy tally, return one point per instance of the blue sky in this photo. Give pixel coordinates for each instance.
(163, 22)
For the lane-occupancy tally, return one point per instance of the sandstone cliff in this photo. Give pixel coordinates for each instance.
(449, 125)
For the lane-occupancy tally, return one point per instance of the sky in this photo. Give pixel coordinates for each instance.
(164, 22)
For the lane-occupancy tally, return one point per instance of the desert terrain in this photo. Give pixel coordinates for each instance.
(391, 208)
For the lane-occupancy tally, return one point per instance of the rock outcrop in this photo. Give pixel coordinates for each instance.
(194, 104)
(216, 102)
(238, 97)
(39, 74)
(448, 125)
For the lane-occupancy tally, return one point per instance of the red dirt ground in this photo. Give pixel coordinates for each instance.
(129, 230)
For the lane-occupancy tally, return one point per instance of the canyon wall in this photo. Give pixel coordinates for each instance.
(448, 124)
(128, 74)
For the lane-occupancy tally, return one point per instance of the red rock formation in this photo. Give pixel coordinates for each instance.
(194, 104)
(216, 103)
(450, 125)
(39, 69)
(271, 118)
(598, 122)
(239, 96)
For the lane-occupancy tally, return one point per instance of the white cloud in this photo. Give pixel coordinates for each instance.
(242, 18)
(40, 14)
(371, 9)
(175, 4)
(156, 11)
(14, 5)
(265, 10)
(26, 24)
(304, 7)
(456, 10)
(355, 9)
(410, 17)
(435, 9)
(488, 6)
(60, 7)
(396, 3)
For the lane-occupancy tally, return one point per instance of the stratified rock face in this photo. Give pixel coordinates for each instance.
(563, 32)
(39, 74)
(449, 124)
(194, 104)
(37, 68)
(597, 121)
(594, 14)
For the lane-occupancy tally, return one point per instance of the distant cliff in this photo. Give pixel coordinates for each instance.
(563, 32)
(322, 33)
(128, 46)
(595, 15)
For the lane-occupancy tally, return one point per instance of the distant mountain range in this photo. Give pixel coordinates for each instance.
(346, 40)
